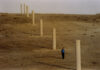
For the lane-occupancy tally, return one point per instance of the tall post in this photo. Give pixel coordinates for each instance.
(27, 11)
(41, 27)
(78, 55)
(21, 9)
(54, 39)
(24, 8)
(33, 17)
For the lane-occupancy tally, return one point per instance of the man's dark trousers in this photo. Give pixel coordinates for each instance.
(63, 55)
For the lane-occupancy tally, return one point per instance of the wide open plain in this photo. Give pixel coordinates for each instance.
(22, 48)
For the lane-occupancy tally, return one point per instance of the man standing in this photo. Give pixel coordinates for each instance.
(63, 53)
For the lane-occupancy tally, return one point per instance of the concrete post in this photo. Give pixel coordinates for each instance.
(27, 11)
(54, 39)
(78, 55)
(41, 27)
(24, 8)
(33, 17)
(21, 8)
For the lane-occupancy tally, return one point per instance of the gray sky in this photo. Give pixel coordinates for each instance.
(53, 6)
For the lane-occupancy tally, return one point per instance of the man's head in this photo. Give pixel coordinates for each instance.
(63, 48)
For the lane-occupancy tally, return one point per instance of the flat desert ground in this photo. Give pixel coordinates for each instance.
(22, 48)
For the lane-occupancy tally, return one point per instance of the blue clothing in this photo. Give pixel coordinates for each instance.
(62, 51)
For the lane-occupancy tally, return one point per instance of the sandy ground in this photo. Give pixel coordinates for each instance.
(22, 48)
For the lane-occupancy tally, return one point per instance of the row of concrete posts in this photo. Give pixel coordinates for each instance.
(25, 10)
